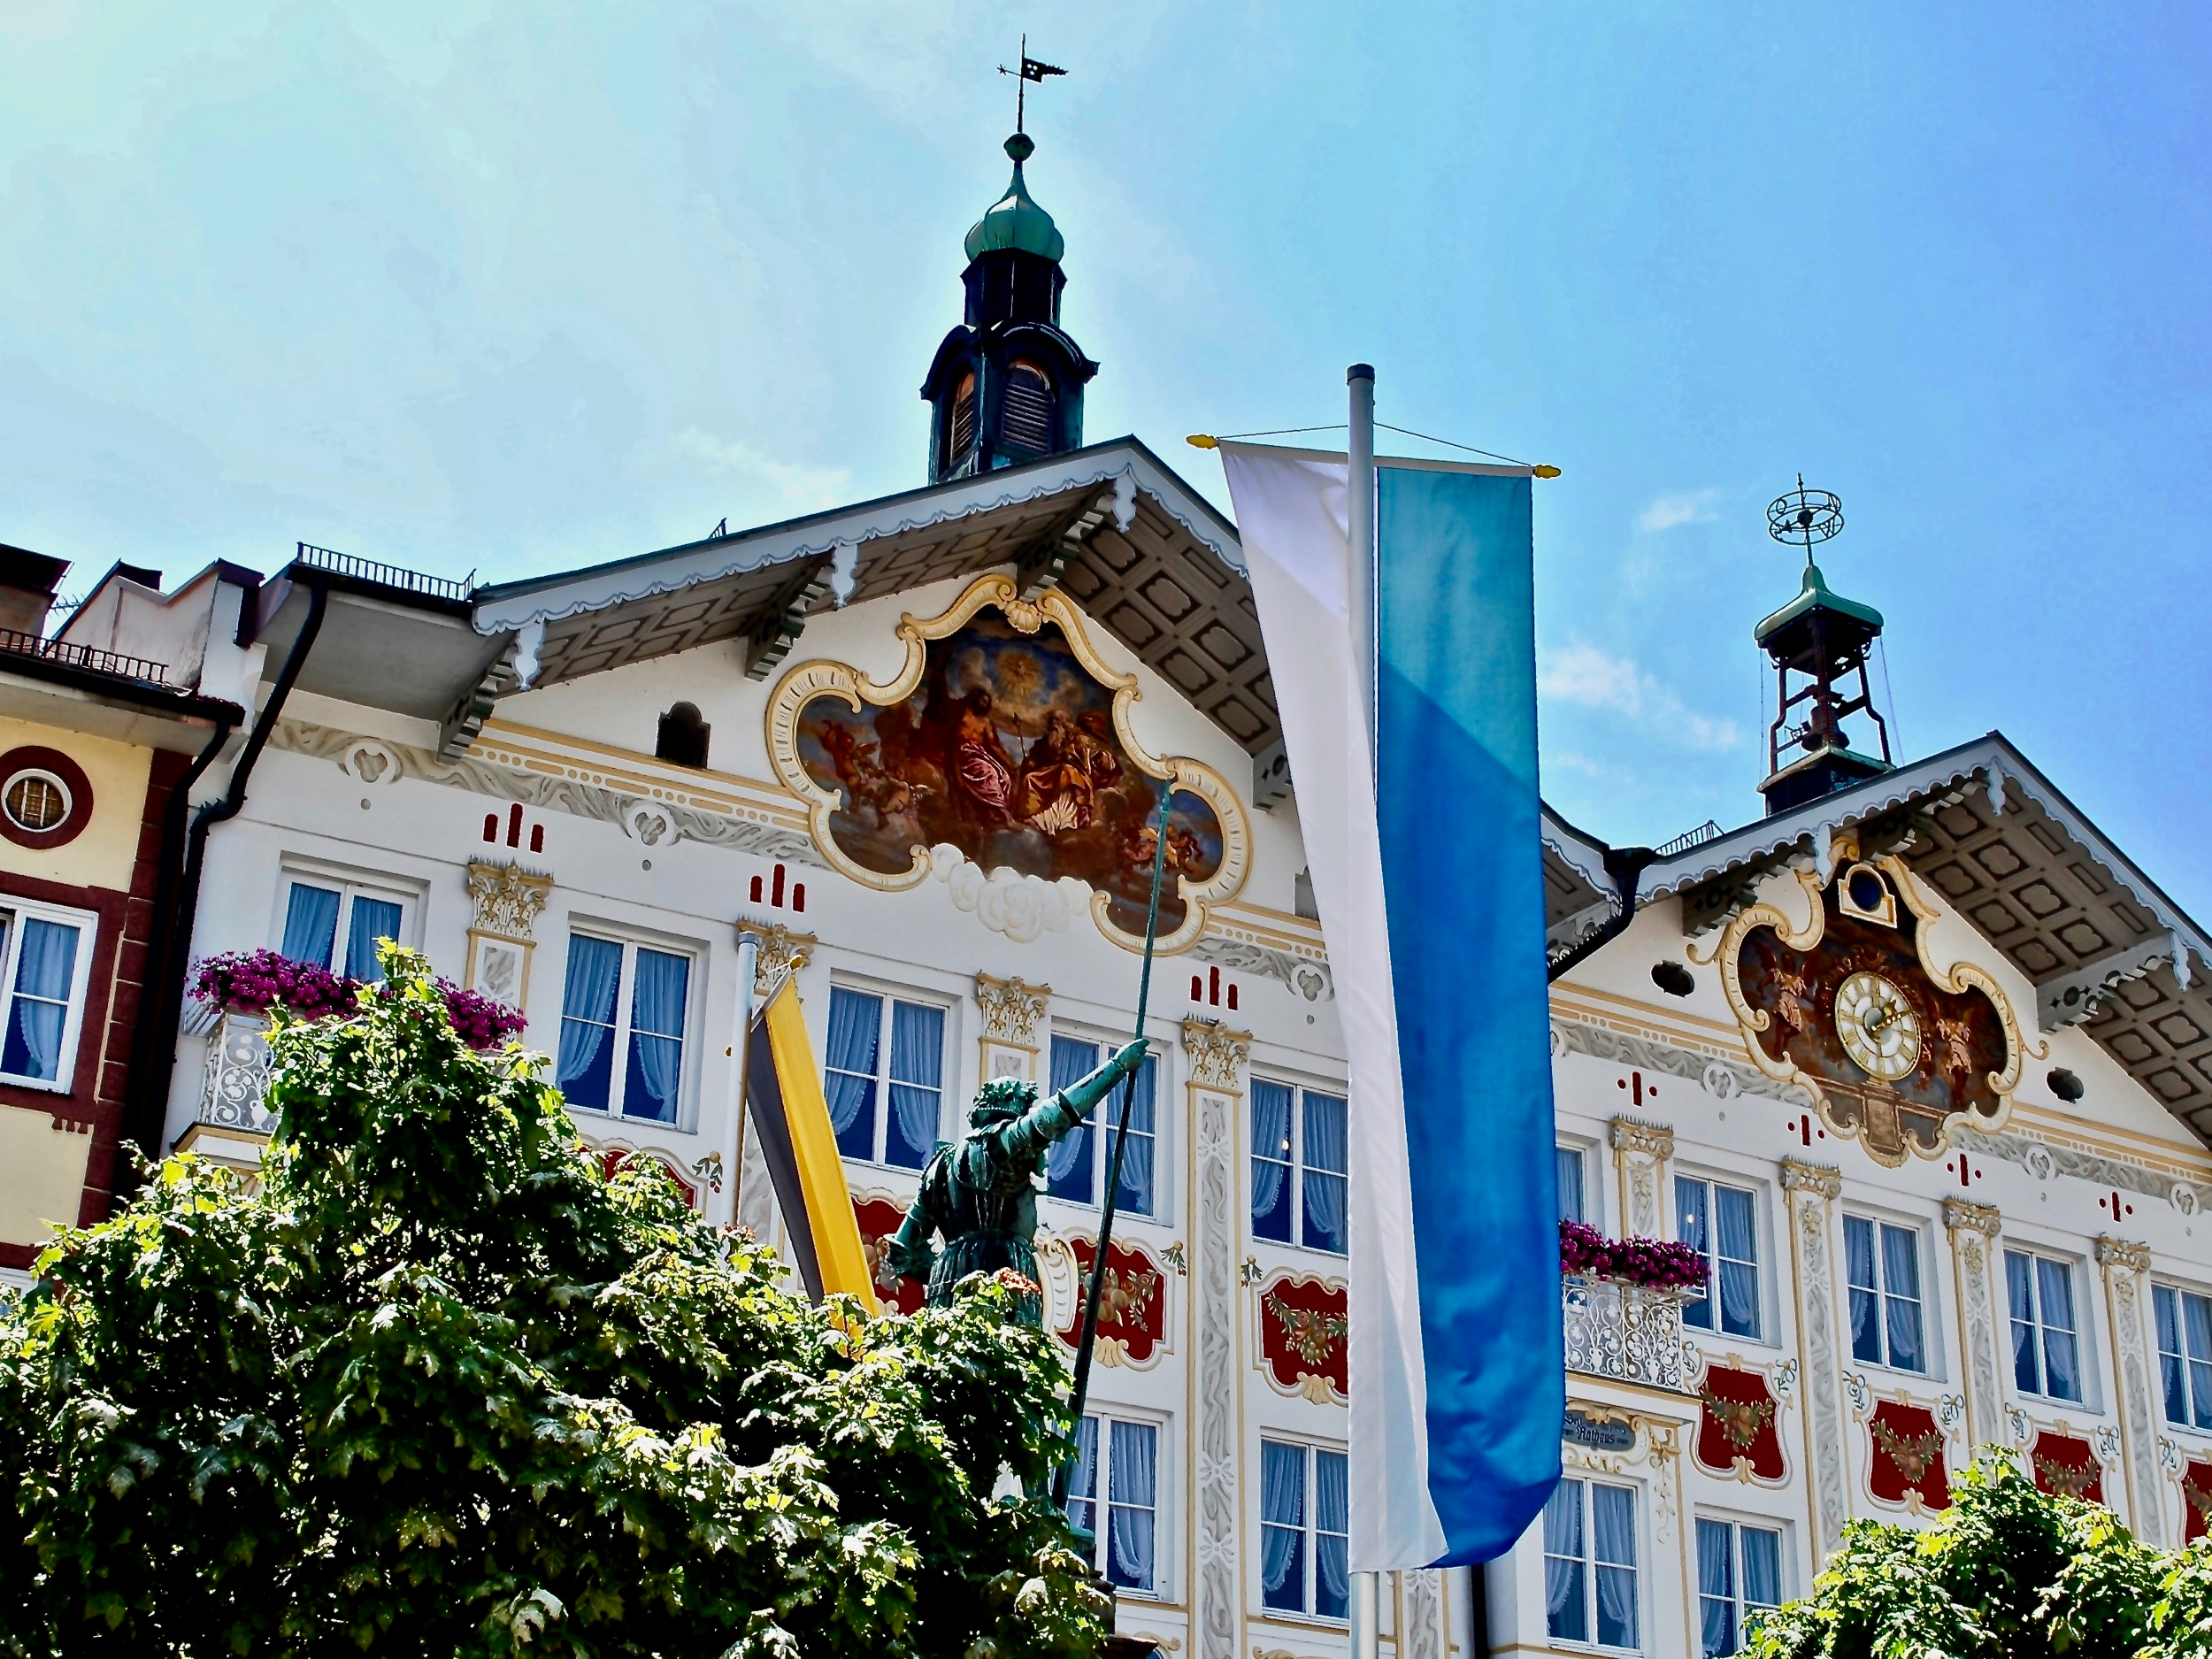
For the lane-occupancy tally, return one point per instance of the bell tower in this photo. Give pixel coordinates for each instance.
(1818, 644)
(1007, 383)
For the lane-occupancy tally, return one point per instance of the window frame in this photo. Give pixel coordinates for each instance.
(87, 924)
(350, 884)
(1587, 1481)
(2042, 1329)
(1102, 1501)
(631, 942)
(1566, 1147)
(2181, 1294)
(1102, 1121)
(1736, 1525)
(891, 995)
(1309, 1530)
(1295, 1167)
(1929, 1313)
(1756, 1195)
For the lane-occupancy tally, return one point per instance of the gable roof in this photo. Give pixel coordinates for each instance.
(2105, 947)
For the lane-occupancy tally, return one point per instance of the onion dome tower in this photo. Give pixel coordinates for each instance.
(1818, 644)
(1007, 384)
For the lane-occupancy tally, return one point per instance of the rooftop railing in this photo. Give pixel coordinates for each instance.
(1707, 831)
(14, 642)
(361, 569)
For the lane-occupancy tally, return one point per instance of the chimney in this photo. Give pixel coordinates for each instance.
(28, 582)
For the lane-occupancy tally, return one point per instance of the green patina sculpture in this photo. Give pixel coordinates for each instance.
(980, 1191)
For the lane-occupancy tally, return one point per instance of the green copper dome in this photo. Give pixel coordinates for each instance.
(1814, 595)
(1015, 221)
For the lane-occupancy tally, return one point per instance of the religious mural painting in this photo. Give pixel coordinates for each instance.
(1304, 1337)
(1737, 1425)
(1005, 744)
(1131, 1303)
(1851, 1005)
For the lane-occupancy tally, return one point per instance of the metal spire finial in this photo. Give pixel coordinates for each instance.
(1032, 69)
(1805, 518)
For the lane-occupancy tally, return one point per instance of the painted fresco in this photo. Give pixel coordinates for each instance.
(1006, 750)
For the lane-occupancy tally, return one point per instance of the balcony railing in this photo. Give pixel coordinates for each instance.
(361, 569)
(1626, 1333)
(15, 643)
(237, 1075)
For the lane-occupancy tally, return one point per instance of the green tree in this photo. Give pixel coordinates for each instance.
(440, 1386)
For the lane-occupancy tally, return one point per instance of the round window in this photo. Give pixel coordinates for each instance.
(36, 800)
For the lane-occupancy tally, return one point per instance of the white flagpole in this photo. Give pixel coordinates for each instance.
(1359, 515)
(732, 1147)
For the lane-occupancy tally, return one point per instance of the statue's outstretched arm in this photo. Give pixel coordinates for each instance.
(909, 1254)
(1053, 1116)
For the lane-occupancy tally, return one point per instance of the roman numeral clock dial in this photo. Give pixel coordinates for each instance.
(1877, 1026)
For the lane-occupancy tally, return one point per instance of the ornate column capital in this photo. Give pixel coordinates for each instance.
(1958, 1216)
(2118, 1253)
(780, 953)
(1011, 1008)
(1824, 1180)
(1218, 1055)
(1628, 1134)
(507, 898)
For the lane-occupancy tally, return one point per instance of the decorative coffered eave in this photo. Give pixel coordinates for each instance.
(1578, 896)
(2012, 856)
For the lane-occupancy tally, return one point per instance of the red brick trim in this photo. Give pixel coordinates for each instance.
(36, 758)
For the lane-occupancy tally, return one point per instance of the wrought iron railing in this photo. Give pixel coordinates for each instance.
(323, 559)
(15, 643)
(237, 1076)
(1626, 1333)
(1707, 831)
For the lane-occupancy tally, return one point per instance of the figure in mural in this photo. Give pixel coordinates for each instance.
(980, 1191)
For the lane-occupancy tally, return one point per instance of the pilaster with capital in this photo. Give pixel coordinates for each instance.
(2126, 1288)
(1214, 1060)
(1642, 1152)
(1811, 1191)
(505, 901)
(1013, 1015)
(1973, 1229)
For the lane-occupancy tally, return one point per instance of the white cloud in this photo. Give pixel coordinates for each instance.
(1589, 677)
(1667, 512)
(798, 485)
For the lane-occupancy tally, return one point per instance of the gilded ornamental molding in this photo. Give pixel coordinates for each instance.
(1218, 1055)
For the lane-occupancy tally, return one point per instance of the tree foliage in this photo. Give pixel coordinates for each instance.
(2007, 1573)
(440, 1386)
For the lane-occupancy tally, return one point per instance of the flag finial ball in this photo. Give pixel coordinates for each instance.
(1202, 441)
(1547, 472)
(1021, 147)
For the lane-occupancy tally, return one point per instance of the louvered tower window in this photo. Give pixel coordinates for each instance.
(960, 440)
(1028, 409)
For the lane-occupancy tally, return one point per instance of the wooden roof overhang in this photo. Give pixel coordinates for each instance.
(2107, 950)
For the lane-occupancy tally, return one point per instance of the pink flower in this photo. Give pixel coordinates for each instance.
(253, 981)
(1655, 1263)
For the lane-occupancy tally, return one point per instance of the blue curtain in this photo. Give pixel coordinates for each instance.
(372, 920)
(1716, 1587)
(1136, 1195)
(1569, 1183)
(1693, 1226)
(1129, 1503)
(1761, 1567)
(1068, 1165)
(1901, 1282)
(659, 992)
(311, 924)
(1083, 1487)
(44, 974)
(856, 1024)
(918, 1095)
(1282, 1527)
(1736, 1251)
(2196, 1325)
(2062, 1369)
(1333, 1587)
(584, 1069)
(1613, 1531)
(1566, 1609)
(2169, 1359)
(1325, 1164)
(1866, 1299)
(2020, 1292)
(1270, 1165)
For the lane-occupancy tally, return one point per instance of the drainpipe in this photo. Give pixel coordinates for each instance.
(158, 1028)
(1625, 866)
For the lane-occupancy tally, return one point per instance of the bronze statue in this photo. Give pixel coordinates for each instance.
(980, 1191)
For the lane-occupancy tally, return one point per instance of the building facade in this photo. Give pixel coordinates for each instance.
(1919, 1060)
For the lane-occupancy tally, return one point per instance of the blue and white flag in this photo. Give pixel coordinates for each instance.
(1457, 1383)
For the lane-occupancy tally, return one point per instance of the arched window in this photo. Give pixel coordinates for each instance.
(683, 737)
(1028, 408)
(960, 431)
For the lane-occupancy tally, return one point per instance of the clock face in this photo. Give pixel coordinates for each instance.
(1877, 1026)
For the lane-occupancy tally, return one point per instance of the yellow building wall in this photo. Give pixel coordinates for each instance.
(45, 1167)
(102, 856)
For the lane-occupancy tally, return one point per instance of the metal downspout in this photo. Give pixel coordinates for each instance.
(1625, 866)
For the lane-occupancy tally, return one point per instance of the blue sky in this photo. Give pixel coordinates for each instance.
(510, 288)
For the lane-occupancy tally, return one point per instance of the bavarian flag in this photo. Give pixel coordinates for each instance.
(796, 1143)
(1426, 853)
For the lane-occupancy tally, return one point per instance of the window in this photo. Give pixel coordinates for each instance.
(1127, 1544)
(885, 1053)
(960, 435)
(2045, 1353)
(1028, 422)
(45, 957)
(622, 1028)
(1304, 1534)
(2184, 1354)
(682, 736)
(335, 923)
(1298, 1166)
(1721, 1222)
(1883, 1263)
(1572, 1206)
(1075, 1169)
(36, 800)
(1738, 1573)
(1590, 1563)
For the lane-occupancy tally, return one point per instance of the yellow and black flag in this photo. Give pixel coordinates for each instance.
(792, 1121)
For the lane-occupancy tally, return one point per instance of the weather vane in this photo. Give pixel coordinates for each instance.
(1804, 518)
(1032, 69)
